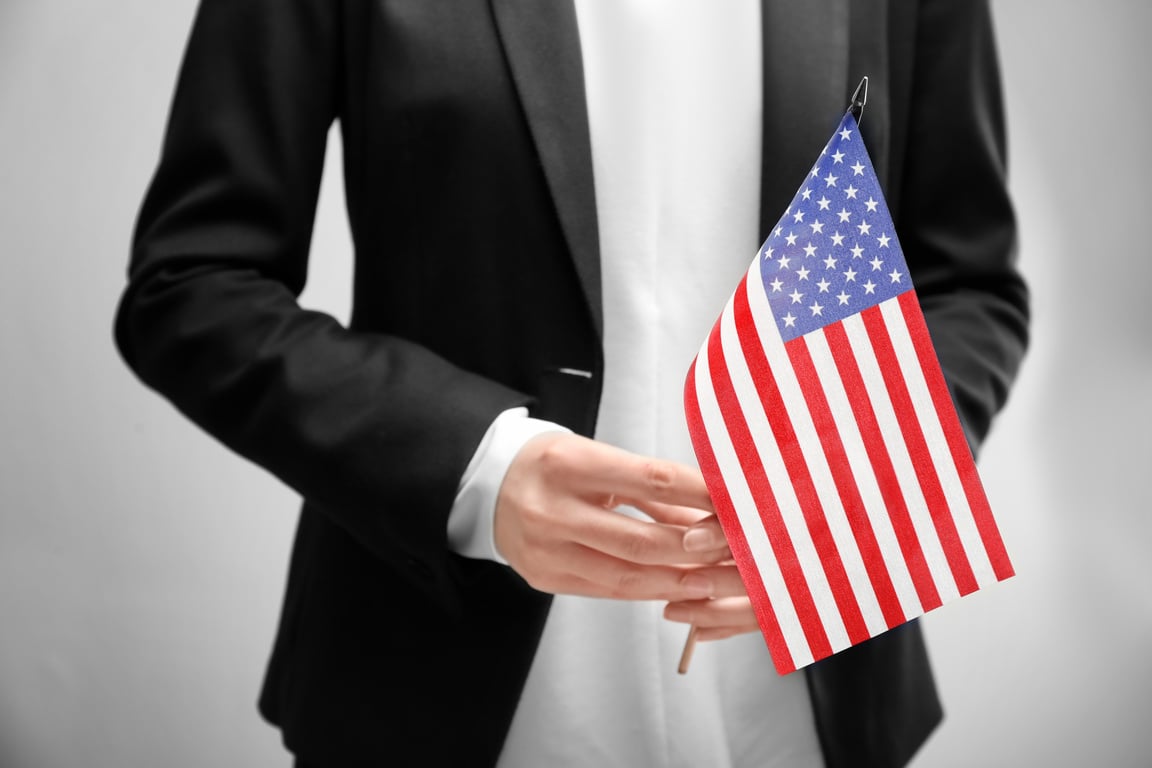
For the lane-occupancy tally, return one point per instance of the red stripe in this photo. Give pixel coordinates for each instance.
(886, 479)
(829, 434)
(954, 434)
(918, 450)
(749, 572)
(761, 489)
(797, 466)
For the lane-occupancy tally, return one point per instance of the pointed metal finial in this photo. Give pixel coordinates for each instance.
(859, 99)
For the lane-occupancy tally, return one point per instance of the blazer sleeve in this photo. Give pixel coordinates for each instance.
(956, 221)
(374, 430)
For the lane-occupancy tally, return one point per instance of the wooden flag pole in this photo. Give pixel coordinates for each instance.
(686, 654)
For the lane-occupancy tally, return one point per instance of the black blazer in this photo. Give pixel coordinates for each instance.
(471, 204)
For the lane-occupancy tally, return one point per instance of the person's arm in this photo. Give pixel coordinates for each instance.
(373, 429)
(955, 219)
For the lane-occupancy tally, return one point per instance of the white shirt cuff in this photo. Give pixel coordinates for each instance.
(471, 519)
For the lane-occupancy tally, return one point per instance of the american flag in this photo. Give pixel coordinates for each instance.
(826, 433)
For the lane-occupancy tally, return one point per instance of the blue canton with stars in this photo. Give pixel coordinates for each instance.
(834, 251)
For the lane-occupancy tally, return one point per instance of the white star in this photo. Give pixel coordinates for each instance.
(830, 180)
(869, 287)
(783, 261)
(850, 275)
(802, 273)
(871, 204)
(795, 296)
(816, 171)
(837, 239)
(789, 320)
(876, 264)
(791, 239)
(809, 250)
(858, 169)
(817, 227)
(895, 276)
(816, 309)
(823, 285)
(838, 157)
(857, 251)
(798, 216)
(806, 194)
(851, 191)
(846, 134)
(864, 227)
(778, 231)
(767, 254)
(823, 202)
(844, 215)
(843, 298)
(830, 263)
(883, 240)
(776, 285)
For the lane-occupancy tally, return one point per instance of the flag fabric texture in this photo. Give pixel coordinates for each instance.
(826, 433)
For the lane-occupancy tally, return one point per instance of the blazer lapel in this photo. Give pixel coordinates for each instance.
(542, 44)
(806, 91)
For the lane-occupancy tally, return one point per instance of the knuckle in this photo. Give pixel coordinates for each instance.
(638, 546)
(658, 475)
(555, 457)
(624, 585)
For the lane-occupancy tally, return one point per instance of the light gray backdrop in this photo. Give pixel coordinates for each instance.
(141, 565)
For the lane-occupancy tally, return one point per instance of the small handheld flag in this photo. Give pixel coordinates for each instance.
(825, 431)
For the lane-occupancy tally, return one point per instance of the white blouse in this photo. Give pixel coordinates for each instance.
(674, 106)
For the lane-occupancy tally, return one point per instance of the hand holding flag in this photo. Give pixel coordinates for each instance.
(825, 431)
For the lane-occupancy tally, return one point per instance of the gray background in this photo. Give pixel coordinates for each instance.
(141, 565)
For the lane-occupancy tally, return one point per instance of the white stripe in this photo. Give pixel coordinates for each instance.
(864, 474)
(901, 459)
(750, 523)
(937, 444)
(809, 441)
(777, 472)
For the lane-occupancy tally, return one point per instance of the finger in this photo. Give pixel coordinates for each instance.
(602, 469)
(577, 570)
(715, 619)
(726, 612)
(721, 633)
(636, 541)
(710, 541)
(671, 514)
(706, 536)
(725, 579)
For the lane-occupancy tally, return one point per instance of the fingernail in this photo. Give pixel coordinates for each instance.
(698, 586)
(701, 540)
